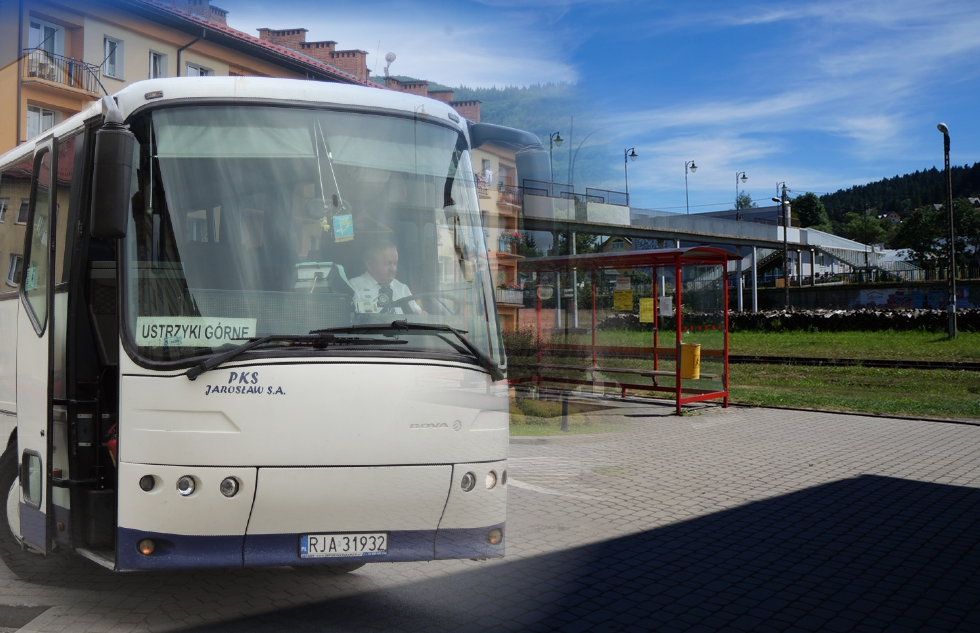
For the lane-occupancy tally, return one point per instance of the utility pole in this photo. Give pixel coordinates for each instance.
(787, 220)
(950, 241)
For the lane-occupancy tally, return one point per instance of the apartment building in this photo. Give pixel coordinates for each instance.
(58, 56)
(495, 171)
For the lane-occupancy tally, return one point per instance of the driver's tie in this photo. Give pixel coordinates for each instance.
(385, 299)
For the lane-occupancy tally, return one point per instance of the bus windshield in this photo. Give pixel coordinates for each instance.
(250, 221)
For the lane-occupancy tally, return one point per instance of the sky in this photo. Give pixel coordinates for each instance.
(820, 95)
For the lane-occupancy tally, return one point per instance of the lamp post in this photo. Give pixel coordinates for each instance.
(553, 139)
(631, 154)
(738, 215)
(787, 220)
(951, 301)
(694, 168)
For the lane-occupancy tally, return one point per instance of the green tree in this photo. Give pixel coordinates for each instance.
(920, 233)
(744, 201)
(811, 212)
(528, 247)
(864, 228)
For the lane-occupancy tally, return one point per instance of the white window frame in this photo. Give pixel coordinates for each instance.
(12, 271)
(198, 70)
(57, 42)
(40, 113)
(25, 207)
(4, 203)
(115, 70)
(162, 64)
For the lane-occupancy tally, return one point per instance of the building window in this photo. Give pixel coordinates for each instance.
(4, 203)
(113, 55)
(16, 270)
(46, 37)
(158, 65)
(617, 245)
(22, 211)
(39, 120)
(195, 70)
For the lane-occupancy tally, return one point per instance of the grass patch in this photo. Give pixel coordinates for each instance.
(905, 392)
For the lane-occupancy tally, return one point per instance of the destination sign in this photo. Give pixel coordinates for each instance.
(192, 331)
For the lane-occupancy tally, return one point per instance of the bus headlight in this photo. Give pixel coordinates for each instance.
(491, 480)
(147, 482)
(186, 486)
(229, 486)
(467, 482)
(146, 547)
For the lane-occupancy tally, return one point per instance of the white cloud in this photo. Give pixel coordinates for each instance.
(476, 47)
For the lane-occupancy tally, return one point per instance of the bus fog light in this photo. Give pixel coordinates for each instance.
(494, 536)
(491, 480)
(147, 482)
(146, 547)
(467, 482)
(185, 485)
(229, 486)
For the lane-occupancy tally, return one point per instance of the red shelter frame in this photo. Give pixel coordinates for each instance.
(677, 259)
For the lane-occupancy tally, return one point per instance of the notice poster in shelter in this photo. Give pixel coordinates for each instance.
(666, 306)
(646, 310)
(623, 283)
(623, 300)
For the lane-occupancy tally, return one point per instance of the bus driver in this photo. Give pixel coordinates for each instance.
(378, 286)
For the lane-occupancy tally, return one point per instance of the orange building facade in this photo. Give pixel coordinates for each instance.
(57, 57)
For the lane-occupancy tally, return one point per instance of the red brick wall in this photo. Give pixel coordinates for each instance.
(319, 51)
(420, 88)
(468, 109)
(290, 38)
(446, 96)
(353, 62)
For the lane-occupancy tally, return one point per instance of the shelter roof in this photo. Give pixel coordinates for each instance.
(691, 256)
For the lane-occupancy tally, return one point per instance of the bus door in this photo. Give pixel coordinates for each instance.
(34, 355)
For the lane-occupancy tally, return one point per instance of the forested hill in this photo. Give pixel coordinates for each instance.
(903, 194)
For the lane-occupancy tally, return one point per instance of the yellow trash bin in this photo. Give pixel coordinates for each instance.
(691, 360)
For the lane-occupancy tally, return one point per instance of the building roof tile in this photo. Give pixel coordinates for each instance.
(255, 41)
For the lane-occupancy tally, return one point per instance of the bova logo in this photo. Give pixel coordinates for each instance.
(457, 425)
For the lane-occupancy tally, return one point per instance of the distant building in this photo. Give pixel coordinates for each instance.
(56, 58)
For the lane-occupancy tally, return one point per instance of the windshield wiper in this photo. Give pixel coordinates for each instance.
(315, 337)
(485, 361)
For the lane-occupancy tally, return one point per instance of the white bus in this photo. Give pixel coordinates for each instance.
(250, 322)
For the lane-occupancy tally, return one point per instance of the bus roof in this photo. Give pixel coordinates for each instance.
(250, 89)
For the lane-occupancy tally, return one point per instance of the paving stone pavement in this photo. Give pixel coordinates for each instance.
(729, 519)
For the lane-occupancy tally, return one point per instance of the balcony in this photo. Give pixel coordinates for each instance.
(65, 71)
(509, 296)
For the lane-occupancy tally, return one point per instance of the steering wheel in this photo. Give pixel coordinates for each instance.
(440, 298)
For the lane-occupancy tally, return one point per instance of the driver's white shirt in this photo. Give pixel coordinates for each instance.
(367, 289)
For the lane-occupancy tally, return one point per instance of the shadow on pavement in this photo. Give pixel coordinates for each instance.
(869, 553)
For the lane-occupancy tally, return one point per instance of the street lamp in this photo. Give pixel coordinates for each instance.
(951, 301)
(631, 154)
(694, 168)
(738, 216)
(787, 220)
(553, 139)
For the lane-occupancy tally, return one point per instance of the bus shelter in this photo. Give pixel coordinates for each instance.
(640, 322)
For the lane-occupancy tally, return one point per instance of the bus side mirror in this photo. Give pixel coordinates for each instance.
(112, 181)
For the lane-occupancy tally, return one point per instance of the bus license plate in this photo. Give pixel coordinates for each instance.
(343, 545)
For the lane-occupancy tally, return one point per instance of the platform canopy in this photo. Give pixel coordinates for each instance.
(692, 256)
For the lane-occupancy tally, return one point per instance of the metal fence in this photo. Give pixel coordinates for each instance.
(68, 71)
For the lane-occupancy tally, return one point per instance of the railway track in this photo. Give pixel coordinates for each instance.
(852, 362)
(810, 361)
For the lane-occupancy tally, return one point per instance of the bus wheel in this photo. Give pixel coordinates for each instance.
(8, 487)
(330, 570)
